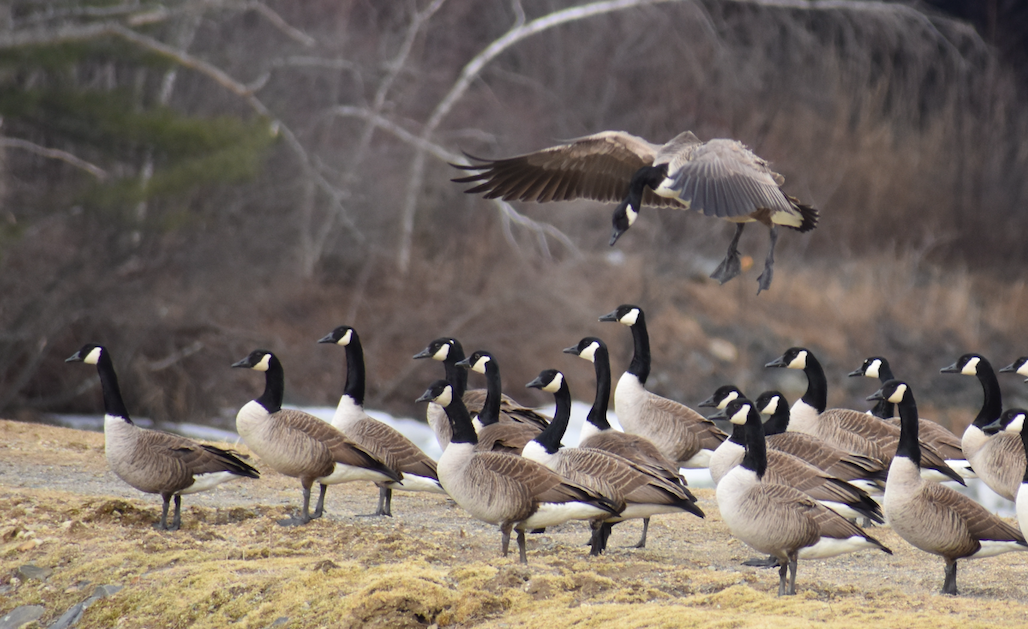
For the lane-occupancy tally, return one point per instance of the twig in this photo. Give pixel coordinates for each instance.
(64, 156)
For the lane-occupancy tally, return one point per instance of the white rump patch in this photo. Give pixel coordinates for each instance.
(554, 513)
(203, 482)
(831, 547)
(411, 482)
(992, 548)
(348, 473)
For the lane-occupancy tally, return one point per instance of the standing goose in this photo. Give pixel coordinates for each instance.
(720, 178)
(156, 462)
(597, 432)
(682, 434)
(933, 517)
(644, 490)
(838, 495)
(299, 444)
(864, 472)
(504, 489)
(996, 459)
(849, 430)
(384, 442)
(945, 442)
(776, 519)
(493, 432)
(1012, 420)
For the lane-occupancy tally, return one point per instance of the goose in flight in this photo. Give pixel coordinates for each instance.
(719, 177)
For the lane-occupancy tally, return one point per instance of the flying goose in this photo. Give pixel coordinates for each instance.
(496, 430)
(866, 473)
(506, 489)
(644, 490)
(849, 430)
(299, 444)
(719, 177)
(776, 519)
(933, 517)
(1012, 420)
(996, 459)
(384, 442)
(932, 433)
(838, 495)
(156, 462)
(598, 433)
(681, 434)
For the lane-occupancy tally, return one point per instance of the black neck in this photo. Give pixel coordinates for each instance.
(113, 404)
(992, 406)
(490, 413)
(550, 437)
(598, 412)
(640, 365)
(355, 377)
(645, 177)
(779, 421)
(884, 408)
(460, 421)
(908, 444)
(274, 386)
(817, 385)
(756, 449)
(738, 436)
(457, 377)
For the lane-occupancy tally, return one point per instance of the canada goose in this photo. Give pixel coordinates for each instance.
(844, 498)
(996, 459)
(644, 491)
(719, 178)
(494, 434)
(777, 519)
(598, 433)
(931, 516)
(1012, 420)
(1019, 366)
(682, 434)
(156, 462)
(867, 473)
(384, 442)
(502, 488)
(932, 433)
(449, 351)
(299, 444)
(849, 430)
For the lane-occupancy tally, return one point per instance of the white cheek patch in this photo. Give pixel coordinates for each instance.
(971, 368)
(589, 353)
(728, 399)
(740, 415)
(772, 406)
(631, 214)
(800, 362)
(554, 384)
(630, 317)
(1016, 424)
(264, 364)
(345, 340)
(897, 395)
(1023, 368)
(444, 398)
(442, 353)
(479, 366)
(872, 369)
(93, 357)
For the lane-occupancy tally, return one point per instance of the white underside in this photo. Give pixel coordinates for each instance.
(991, 549)
(411, 482)
(633, 511)
(831, 547)
(1022, 508)
(552, 514)
(203, 482)
(962, 467)
(700, 460)
(348, 473)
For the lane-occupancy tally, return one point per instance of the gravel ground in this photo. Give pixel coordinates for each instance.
(60, 507)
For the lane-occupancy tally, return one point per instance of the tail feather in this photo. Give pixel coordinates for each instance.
(808, 212)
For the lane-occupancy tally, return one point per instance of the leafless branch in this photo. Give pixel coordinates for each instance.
(64, 156)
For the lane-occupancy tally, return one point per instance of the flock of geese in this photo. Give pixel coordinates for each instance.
(795, 486)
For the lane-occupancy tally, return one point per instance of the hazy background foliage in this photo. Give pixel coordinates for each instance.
(185, 181)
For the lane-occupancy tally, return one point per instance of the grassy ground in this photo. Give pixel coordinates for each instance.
(231, 565)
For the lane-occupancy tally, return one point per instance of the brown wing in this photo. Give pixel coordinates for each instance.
(637, 449)
(945, 442)
(1002, 462)
(785, 469)
(331, 445)
(597, 167)
(684, 431)
(390, 446)
(505, 437)
(973, 523)
(829, 459)
(538, 482)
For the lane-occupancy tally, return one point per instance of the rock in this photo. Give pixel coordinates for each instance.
(279, 622)
(21, 616)
(71, 617)
(31, 571)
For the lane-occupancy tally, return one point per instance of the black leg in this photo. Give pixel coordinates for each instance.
(642, 540)
(505, 530)
(163, 524)
(950, 585)
(385, 501)
(783, 574)
(320, 509)
(793, 561)
(521, 546)
(730, 266)
(764, 281)
(177, 520)
(305, 515)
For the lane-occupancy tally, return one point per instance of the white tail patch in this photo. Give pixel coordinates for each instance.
(554, 513)
(203, 482)
(831, 547)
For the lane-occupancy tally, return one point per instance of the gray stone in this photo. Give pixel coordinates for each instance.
(21, 616)
(71, 617)
(32, 571)
(280, 621)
